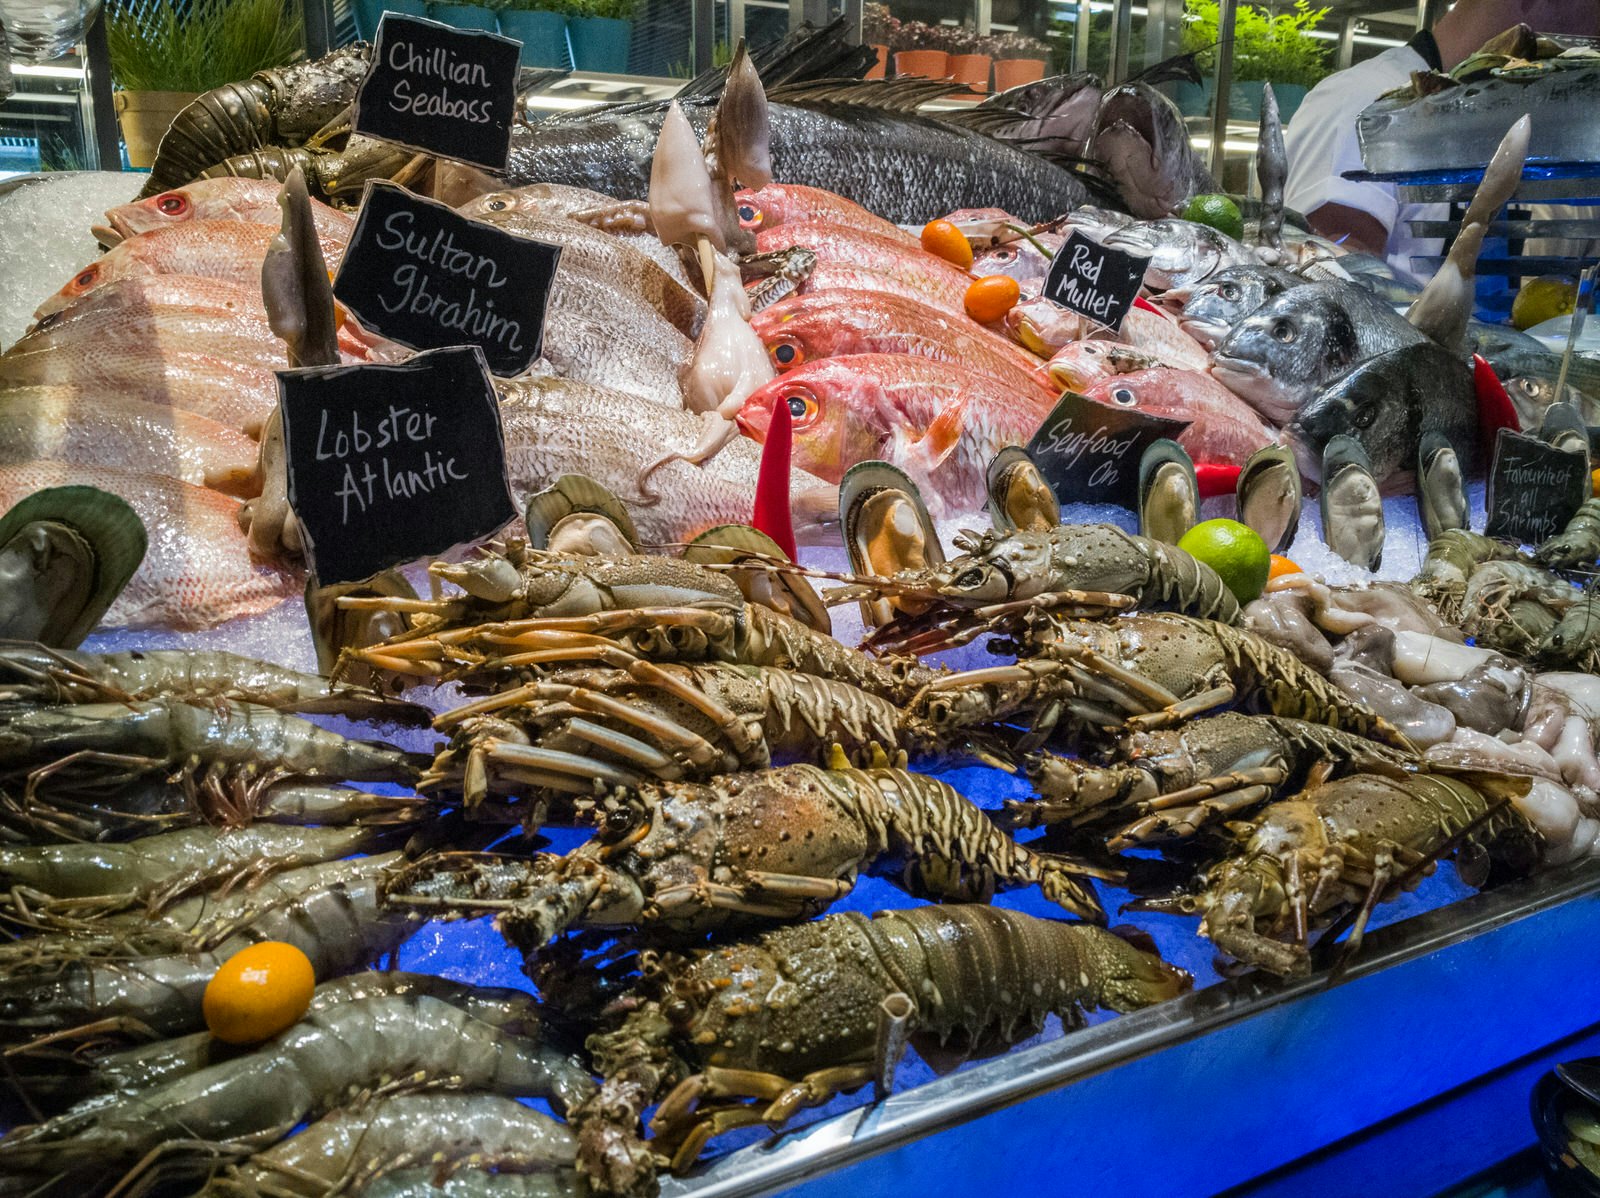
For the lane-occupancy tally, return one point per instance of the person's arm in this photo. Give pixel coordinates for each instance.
(1351, 227)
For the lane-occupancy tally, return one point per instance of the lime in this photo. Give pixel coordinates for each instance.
(1219, 212)
(1542, 299)
(1235, 551)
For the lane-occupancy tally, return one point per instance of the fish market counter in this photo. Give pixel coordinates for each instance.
(1400, 1074)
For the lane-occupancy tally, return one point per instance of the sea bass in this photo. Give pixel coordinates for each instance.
(254, 201)
(216, 249)
(61, 426)
(1208, 311)
(239, 396)
(1388, 403)
(940, 422)
(1182, 253)
(830, 324)
(932, 279)
(1292, 346)
(793, 204)
(197, 571)
(905, 167)
(1222, 429)
(555, 427)
(1141, 142)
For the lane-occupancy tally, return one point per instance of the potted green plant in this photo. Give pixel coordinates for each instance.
(599, 34)
(919, 51)
(541, 27)
(1294, 61)
(370, 12)
(466, 16)
(1265, 48)
(969, 57)
(165, 53)
(878, 28)
(1018, 59)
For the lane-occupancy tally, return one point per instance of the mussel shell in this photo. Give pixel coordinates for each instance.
(1267, 495)
(106, 541)
(1169, 495)
(571, 515)
(333, 629)
(790, 594)
(1352, 507)
(1019, 497)
(1441, 493)
(1564, 428)
(871, 495)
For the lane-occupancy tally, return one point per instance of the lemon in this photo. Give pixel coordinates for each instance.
(1542, 299)
(1235, 551)
(1219, 212)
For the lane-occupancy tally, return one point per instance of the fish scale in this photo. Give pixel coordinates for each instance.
(237, 395)
(931, 279)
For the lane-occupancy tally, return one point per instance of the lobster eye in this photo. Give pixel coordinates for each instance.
(1230, 291)
(1283, 330)
(968, 579)
(679, 1012)
(619, 819)
(750, 216)
(172, 204)
(784, 355)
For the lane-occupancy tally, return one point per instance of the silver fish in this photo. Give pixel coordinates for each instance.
(1208, 311)
(1182, 253)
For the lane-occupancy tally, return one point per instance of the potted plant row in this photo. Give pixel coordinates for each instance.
(1266, 48)
(587, 35)
(955, 52)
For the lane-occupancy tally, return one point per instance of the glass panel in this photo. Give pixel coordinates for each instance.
(45, 125)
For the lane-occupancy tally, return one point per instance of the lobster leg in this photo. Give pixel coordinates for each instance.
(1217, 696)
(1186, 821)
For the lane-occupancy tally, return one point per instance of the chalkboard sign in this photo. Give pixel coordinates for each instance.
(391, 463)
(1093, 281)
(444, 91)
(420, 274)
(1534, 488)
(1089, 451)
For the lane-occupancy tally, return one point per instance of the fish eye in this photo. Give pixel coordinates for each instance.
(172, 204)
(1229, 291)
(1365, 417)
(750, 216)
(1283, 330)
(86, 277)
(802, 407)
(1004, 253)
(1125, 396)
(496, 205)
(785, 354)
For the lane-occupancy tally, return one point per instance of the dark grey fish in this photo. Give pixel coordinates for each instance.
(1142, 144)
(1054, 115)
(1209, 310)
(1388, 403)
(1517, 357)
(905, 167)
(1279, 358)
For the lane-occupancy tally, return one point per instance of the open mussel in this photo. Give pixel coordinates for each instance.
(729, 544)
(1563, 428)
(887, 528)
(335, 629)
(1019, 498)
(1267, 495)
(1441, 492)
(65, 555)
(1352, 507)
(1169, 495)
(576, 515)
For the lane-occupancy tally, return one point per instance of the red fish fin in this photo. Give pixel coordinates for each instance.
(1140, 302)
(772, 515)
(1495, 409)
(942, 436)
(1215, 478)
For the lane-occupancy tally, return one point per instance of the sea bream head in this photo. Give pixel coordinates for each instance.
(839, 416)
(1181, 252)
(1141, 142)
(1209, 310)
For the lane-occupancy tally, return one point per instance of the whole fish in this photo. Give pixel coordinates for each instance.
(1209, 310)
(1079, 365)
(794, 204)
(236, 395)
(1045, 327)
(234, 337)
(254, 201)
(939, 422)
(903, 166)
(1141, 142)
(1223, 428)
(1388, 403)
(556, 426)
(608, 260)
(197, 571)
(217, 249)
(933, 279)
(61, 426)
(1182, 252)
(830, 324)
(1279, 357)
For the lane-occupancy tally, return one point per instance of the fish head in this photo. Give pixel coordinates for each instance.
(1059, 113)
(1142, 143)
(1180, 252)
(204, 199)
(836, 416)
(796, 333)
(1209, 309)
(1020, 260)
(1369, 404)
(1150, 391)
(1044, 326)
(1276, 358)
(101, 270)
(499, 205)
(756, 208)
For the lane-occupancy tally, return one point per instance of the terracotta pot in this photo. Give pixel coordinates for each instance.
(144, 117)
(971, 69)
(922, 64)
(879, 68)
(1014, 72)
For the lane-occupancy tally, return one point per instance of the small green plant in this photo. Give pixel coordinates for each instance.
(567, 8)
(171, 46)
(617, 10)
(721, 56)
(1275, 48)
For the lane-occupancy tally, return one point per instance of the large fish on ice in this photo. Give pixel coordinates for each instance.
(253, 201)
(240, 396)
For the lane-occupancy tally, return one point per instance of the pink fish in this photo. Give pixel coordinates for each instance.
(1045, 328)
(254, 201)
(1081, 364)
(915, 271)
(1223, 428)
(792, 204)
(239, 396)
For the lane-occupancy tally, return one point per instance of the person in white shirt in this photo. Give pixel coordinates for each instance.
(1321, 138)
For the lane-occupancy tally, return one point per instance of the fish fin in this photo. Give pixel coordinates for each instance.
(936, 442)
(1445, 305)
(1495, 409)
(890, 95)
(805, 54)
(1140, 302)
(771, 514)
